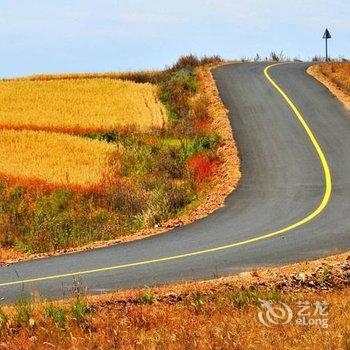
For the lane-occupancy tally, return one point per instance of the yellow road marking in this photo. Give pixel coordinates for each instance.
(309, 217)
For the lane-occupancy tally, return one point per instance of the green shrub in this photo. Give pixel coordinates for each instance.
(58, 315)
(23, 311)
(147, 297)
(109, 137)
(177, 90)
(199, 144)
(197, 301)
(325, 276)
(243, 297)
(80, 310)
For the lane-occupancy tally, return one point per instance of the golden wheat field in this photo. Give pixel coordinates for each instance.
(53, 158)
(79, 105)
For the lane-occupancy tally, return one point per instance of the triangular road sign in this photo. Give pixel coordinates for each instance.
(327, 34)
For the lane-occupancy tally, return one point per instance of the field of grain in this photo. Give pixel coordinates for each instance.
(153, 76)
(82, 105)
(53, 158)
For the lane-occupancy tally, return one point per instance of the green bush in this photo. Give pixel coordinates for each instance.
(147, 297)
(197, 301)
(58, 315)
(23, 311)
(80, 310)
(177, 90)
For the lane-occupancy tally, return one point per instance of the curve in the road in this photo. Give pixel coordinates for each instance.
(46, 282)
(303, 221)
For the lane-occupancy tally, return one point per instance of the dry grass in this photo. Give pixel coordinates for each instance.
(338, 73)
(53, 158)
(336, 77)
(83, 105)
(152, 76)
(215, 314)
(221, 318)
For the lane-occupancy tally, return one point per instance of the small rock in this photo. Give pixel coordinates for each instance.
(254, 273)
(31, 322)
(302, 276)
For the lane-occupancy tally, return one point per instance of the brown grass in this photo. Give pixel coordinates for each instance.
(9, 253)
(53, 158)
(79, 105)
(338, 72)
(336, 77)
(218, 324)
(218, 314)
(152, 76)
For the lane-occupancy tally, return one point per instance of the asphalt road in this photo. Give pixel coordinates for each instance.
(283, 182)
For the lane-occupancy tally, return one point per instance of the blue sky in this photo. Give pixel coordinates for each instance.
(108, 35)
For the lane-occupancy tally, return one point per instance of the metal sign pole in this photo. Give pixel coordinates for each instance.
(326, 36)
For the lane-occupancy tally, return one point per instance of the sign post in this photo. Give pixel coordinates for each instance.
(326, 36)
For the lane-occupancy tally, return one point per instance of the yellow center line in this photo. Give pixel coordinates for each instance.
(303, 221)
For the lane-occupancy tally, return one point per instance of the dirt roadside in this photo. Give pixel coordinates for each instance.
(321, 275)
(315, 72)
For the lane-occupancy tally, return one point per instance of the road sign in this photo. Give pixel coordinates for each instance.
(327, 35)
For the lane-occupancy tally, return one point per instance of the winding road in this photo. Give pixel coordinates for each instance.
(292, 204)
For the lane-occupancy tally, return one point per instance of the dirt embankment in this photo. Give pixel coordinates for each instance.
(333, 76)
(321, 275)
